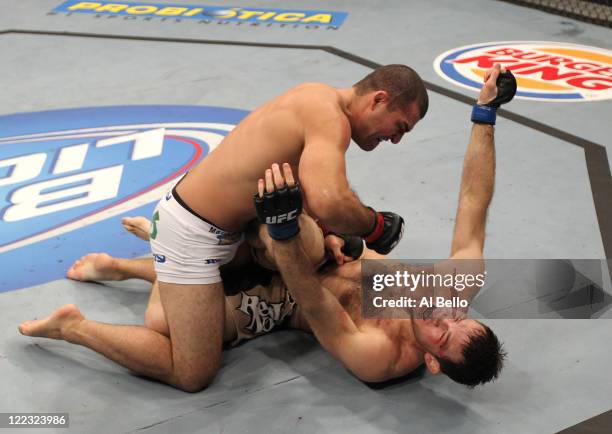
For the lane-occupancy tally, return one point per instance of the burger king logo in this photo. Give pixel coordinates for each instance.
(545, 71)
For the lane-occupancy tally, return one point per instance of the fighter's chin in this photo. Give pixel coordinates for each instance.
(367, 145)
(425, 333)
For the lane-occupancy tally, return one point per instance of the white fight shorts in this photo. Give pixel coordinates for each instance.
(186, 248)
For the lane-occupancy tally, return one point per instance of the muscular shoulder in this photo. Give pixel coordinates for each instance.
(320, 107)
(319, 99)
(322, 91)
(376, 362)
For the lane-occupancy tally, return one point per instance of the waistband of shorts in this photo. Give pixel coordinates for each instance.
(182, 203)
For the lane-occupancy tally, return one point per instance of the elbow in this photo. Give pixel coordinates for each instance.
(325, 205)
(324, 213)
(370, 376)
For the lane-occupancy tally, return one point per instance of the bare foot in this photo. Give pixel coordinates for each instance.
(139, 226)
(95, 266)
(56, 325)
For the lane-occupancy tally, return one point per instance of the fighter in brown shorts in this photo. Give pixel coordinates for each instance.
(268, 305)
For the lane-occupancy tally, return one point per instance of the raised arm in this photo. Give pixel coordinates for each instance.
(475, 194)
(365, 354)
(477, 186)
(478, 178)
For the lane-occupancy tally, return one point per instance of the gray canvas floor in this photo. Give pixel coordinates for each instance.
(557, 373)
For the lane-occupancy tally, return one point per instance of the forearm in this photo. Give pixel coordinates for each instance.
(333, 327)
(341, 212)
(321, 309)
(298, 272)
(478, 176)
(476, 191)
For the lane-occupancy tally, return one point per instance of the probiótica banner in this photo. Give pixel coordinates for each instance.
(321, 18)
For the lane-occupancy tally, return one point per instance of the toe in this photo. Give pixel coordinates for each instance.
(24, 328)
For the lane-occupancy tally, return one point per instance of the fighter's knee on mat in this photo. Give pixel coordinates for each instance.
(195, 381)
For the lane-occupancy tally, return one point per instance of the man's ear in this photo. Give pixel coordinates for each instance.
(380, 97)
(432, 363)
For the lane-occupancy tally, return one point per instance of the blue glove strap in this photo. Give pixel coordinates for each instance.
(284, 231)
(482, 114)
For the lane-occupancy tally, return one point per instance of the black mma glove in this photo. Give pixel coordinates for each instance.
(506, 89)
(280, 210)
(353, 245)
(386, 232)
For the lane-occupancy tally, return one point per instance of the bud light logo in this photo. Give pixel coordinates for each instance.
(67, 177)
(545, 71)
